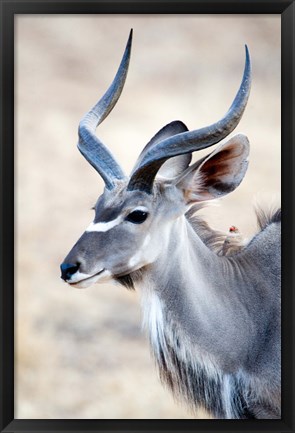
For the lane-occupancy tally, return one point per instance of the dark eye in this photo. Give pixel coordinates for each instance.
(137, 217)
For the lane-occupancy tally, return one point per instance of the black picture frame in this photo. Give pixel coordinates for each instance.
(8, 9)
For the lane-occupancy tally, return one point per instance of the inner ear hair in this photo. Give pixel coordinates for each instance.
(217, 174)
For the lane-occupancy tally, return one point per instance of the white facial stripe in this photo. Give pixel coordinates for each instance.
(104, 226)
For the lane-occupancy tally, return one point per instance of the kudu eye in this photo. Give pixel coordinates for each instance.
(137, 216)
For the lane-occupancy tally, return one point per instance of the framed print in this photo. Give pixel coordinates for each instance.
(78, 356)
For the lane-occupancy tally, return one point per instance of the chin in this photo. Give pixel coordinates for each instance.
(81, 284)
(102, 277)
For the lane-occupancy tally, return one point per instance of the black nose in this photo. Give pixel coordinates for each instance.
(68, 269)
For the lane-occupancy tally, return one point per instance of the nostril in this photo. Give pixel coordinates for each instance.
(68, 269)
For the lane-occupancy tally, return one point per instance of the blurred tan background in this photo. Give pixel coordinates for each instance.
(81, 353)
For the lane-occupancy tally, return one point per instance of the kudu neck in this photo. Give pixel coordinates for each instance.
(184, 258)
(187, 283)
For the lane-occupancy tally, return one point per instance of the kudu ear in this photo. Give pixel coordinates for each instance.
(174, 166)
(218, 173)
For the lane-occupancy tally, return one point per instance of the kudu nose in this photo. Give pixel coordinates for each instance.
(68, 269)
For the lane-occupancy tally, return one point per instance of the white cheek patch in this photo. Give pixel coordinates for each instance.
(146, 241)
(140, 255)
(135, 260)
(104, 226)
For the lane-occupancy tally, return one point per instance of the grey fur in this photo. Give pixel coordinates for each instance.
(212, 315)
(243, 377)
(243, 346)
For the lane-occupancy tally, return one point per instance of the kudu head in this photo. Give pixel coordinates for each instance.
(133, 215)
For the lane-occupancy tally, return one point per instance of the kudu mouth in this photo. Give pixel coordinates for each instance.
(88, 280)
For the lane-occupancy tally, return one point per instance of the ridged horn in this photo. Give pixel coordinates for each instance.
(147, 166)
(95, 152)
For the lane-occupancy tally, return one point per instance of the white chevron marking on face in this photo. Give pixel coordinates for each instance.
(104, 226)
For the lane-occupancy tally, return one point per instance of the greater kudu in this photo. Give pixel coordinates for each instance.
(213, 319)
